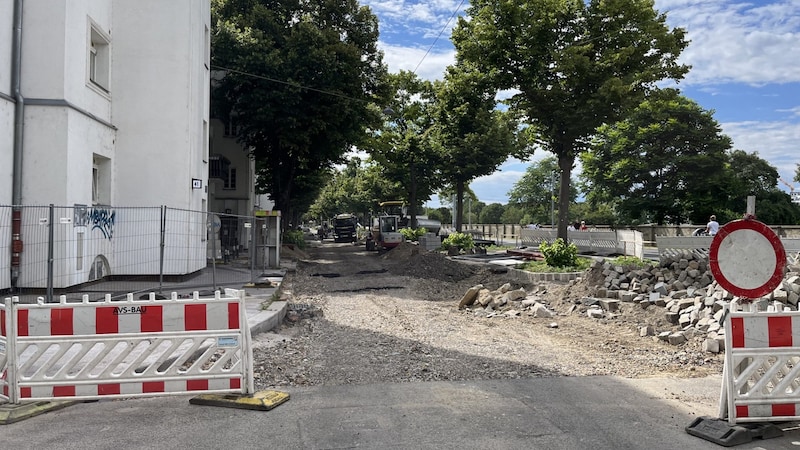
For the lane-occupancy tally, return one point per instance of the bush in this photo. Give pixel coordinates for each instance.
(295, 237)
(559, 253)
(412, 235)
(631, 261)
(461, 240)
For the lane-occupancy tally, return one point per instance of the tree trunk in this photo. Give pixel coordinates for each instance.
(566, 159)
(412, 208)
(459, 205)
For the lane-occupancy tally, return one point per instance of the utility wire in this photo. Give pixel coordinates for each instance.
(287, 83)
(440, 35)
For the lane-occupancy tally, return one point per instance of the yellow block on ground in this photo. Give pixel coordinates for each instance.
(259, 401)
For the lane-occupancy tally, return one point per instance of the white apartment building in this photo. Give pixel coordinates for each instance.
(110, 110)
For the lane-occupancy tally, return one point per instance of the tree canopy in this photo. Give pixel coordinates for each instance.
(300, 79)
(402, 147)
(575, 64)
(474, 137)
(665, 163)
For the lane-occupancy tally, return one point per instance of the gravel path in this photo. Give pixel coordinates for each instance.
(360, 317)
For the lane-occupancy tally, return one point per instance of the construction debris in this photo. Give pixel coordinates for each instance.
(681, 286)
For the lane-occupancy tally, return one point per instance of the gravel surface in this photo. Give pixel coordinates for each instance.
(361, 317)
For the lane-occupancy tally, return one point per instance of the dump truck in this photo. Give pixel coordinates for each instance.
(344, 228)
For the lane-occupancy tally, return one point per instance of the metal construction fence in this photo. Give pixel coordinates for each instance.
(56, 250)
(699, 246)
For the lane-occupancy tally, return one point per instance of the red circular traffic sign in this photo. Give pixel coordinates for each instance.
(747, 258)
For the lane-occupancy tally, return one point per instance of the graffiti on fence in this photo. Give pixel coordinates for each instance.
(103, 220)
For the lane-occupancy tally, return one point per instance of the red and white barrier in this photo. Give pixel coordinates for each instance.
(125, 349)
(762, 366)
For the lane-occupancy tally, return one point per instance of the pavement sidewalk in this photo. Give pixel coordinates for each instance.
(264, 302)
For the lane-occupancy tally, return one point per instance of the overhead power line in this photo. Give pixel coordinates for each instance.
(439, 35)
(287, 83)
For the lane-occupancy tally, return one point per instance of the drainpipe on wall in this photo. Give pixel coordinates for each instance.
(19, 122)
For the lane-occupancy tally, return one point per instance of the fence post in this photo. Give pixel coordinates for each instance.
(50, 245)
(161, 248)
(11, 349)
(213, 236)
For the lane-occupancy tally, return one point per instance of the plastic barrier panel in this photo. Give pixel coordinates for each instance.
(762, 366)
(5, 324)
(130, 348)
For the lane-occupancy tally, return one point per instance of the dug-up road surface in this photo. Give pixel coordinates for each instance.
(358, 317)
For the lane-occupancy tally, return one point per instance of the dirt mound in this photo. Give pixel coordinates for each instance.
(413, 261)
(291, 251)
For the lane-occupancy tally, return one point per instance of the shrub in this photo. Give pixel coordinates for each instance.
(410, 234)
(631, 261)
(559, 253)
(461, 240)
(294, 237)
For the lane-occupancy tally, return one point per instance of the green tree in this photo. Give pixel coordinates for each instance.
(474, 137)
(750, 175)
(357, 188)
(775, 207)
(299, 77)
(576, 65)
(536, 191)
(515, 214)
(665, 163)
(402, 147)
(492, 213)
(442, 214)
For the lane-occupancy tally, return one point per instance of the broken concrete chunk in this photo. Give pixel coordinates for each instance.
(469, 298)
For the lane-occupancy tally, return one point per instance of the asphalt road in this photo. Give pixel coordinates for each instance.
(541, 413)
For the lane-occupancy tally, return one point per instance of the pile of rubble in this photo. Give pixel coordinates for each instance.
(690, 304)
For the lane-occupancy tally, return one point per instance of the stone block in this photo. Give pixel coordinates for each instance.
(711, 345)
(676, 338)
(672, 317)
(485, 297)
(516, 294)
(541, 311)
(470, 296)
(609, 305)
(595, 313)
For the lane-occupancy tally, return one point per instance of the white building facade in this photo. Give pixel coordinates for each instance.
(110, 110)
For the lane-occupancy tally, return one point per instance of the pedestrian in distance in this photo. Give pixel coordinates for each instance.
(583, 226)
(713, 226)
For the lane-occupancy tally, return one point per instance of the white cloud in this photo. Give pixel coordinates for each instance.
(734, 41)
(428, 67)
(776, 142)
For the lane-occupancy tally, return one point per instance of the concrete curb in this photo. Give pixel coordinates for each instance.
(533, 277)
(268, 319)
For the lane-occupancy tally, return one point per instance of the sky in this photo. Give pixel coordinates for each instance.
(745, 58)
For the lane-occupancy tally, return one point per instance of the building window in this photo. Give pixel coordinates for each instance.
(231, 125)
(95, 184)
(101, 180)
(207, 48)
(99, 58)
(230, 182)
(220, 167)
